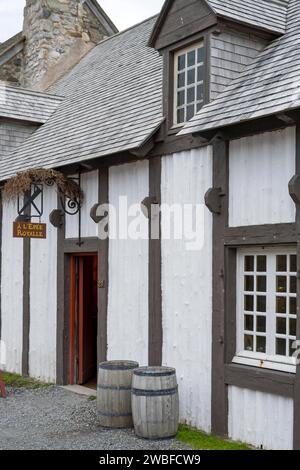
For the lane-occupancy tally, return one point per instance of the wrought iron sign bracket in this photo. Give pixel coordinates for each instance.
(73, 206)
(31, 207)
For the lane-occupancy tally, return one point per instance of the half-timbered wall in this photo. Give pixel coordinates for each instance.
(187, 288)
(11, 290)
(89, 185)
(128, 270)
(43, 298)
(260, 168)
(230, 52)
(261, 419)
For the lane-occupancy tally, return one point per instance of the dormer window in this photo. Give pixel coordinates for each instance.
(189, 82)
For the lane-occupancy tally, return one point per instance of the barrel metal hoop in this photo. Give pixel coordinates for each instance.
(114, 415)
(111, 387)
(145, 373)
(154, 393)
(127, 366)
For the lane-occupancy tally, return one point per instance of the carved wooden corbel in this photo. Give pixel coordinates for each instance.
(146, 205)
(294, 189)
(94, 216)
(213, 200)
(56, 218)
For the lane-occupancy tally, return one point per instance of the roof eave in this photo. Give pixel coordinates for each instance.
(265, 123)
(12, 50)
(270, 31)
(102, 16)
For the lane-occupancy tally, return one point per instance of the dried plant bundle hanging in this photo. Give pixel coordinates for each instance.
(22, 181)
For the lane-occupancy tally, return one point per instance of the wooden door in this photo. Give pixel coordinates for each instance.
(83, 318)
(87, 340)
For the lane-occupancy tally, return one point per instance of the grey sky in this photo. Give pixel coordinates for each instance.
(123, 13)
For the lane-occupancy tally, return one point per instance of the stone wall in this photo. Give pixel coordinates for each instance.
(58, 34)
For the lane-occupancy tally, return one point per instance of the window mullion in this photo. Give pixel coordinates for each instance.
(271, 304)
(239, 306)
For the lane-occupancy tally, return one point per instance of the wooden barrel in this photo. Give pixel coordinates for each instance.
(114, 393)
(155, 403)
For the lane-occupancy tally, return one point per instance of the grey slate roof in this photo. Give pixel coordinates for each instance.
(269, 85)
(26, 105)
(113, 103)
(265, 14)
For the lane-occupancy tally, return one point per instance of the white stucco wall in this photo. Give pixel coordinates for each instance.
(128, 271)
(260, 168)
(43, 298)
(261, 419)
(187, 289)
(11, 290)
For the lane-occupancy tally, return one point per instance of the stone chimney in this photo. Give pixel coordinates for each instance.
(58, 33)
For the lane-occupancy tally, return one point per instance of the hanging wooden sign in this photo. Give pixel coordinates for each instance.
(29, 230)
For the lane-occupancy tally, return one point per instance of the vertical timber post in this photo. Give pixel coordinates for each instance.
(220, 222)
(155, 295)
(61, 362)
(1, 229)
(103, 277)
(26, 298)
(297, 382)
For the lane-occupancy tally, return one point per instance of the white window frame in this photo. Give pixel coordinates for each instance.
(180, 52)
(268, 360)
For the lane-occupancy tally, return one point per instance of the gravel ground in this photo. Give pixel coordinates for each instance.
(53, 418)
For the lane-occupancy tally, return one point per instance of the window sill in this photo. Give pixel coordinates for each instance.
(260, 380)
(262, 362)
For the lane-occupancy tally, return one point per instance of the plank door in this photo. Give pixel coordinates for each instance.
(87, 318)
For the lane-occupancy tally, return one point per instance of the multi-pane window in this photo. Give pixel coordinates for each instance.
(189, 83)
(266, 306)
(255, 304)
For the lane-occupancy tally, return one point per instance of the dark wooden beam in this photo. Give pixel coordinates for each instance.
(220, 221)
(261, 380)
(248, 128)
(89, 245)
(1, 229)
(61, 338)
(297, 383)
(26, 300)
(103, 274)
(261, 235)
(173, 144)
(230, 303)
(155, 295)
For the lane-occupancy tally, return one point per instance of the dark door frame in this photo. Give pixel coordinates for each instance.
(71, 296)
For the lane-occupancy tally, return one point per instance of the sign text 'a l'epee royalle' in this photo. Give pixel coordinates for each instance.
(29, 230)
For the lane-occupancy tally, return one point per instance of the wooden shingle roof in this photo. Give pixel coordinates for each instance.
(25, 105)
(269, 15)
(269, 85)
(113, 103)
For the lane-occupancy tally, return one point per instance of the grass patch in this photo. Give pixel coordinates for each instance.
(17, 381)
(92, 398)
(201, 441)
